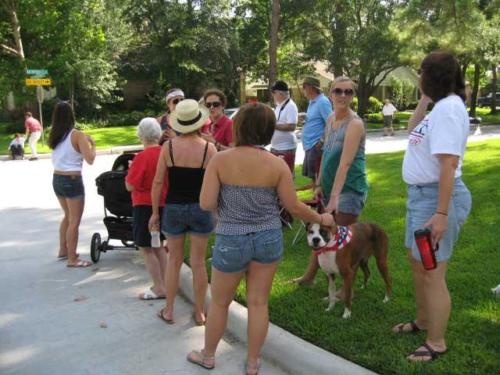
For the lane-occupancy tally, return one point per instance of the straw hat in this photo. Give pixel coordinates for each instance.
(188, 116)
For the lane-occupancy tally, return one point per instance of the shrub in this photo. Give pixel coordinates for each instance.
(374, 105)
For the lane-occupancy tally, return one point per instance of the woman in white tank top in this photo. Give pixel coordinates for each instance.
(70, 147)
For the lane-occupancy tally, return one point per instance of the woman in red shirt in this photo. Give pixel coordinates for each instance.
(139, 181)
(220, 129)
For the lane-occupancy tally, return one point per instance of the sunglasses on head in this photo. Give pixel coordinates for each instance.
(177, 100)
(213, 104)
(346, 92)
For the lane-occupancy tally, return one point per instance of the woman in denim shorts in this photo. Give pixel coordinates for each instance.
(70, 147)
(243, 185)
(342, 180)
(183, 160)
(437, 197)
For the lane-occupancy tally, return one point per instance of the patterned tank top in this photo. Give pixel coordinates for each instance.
(247, 209)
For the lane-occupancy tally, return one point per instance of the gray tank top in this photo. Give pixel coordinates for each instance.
(247, 209)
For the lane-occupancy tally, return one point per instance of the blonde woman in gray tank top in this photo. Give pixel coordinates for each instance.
(243, 185)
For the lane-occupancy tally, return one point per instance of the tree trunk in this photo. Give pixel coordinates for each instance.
(494, 89)
(16, 33)
(273, 42)
(475, 89)
(339, 40)
(362, 95)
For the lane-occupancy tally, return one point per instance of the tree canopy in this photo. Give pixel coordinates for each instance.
(93, 47)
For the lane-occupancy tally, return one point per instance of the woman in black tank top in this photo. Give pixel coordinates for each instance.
(183, 161)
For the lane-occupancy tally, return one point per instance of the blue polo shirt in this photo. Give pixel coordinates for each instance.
(317, 112)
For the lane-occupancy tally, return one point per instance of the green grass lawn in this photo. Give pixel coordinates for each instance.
(473, 334)
(104, 138)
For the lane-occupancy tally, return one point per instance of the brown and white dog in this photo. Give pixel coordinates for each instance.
(341, 250)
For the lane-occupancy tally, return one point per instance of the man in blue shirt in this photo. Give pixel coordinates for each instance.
(318, 111)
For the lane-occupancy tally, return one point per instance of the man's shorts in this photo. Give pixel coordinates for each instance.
(421, 206)
(233, 253)
(288, 156)
(387, 121)
(312, 162)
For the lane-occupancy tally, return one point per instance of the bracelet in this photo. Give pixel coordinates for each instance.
(442, 213)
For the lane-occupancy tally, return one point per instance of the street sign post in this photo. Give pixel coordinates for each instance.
(39, 98)
(39, 78)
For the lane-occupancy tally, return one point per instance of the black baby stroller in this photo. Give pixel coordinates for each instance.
(117, 200)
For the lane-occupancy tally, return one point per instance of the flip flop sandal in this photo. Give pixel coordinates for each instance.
(149, 295)
(413, 325)
(160, 315)
(198, 322)
(428, 352)
(80, 264)
(200, 359)
(64, 257)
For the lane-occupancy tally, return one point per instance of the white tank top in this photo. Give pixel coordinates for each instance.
(65, 158)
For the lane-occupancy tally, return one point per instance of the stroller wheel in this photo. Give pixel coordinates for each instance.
(95, 247)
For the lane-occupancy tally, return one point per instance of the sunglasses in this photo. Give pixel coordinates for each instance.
(177, 100)
(213, 104)
(346, 92)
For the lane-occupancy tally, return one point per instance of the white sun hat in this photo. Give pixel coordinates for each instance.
(189, 116)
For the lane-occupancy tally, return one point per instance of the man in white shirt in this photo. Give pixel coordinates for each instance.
(388, 111)
(284, 141)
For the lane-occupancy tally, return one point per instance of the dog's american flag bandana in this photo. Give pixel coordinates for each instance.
(339, 240)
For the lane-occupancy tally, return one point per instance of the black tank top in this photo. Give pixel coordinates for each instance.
(184, 182)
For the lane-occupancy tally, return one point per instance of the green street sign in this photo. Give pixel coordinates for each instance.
(37, 72)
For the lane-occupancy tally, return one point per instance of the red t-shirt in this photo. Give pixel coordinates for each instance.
(141, 174)
(222, 130)
(32, 125)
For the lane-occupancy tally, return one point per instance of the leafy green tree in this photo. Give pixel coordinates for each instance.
(355, 37)
(78, 42)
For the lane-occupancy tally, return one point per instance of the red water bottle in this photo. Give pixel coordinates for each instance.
(424, 245)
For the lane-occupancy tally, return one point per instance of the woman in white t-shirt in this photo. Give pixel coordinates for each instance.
(437, 197)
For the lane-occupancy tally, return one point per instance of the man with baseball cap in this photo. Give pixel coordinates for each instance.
(284, 141)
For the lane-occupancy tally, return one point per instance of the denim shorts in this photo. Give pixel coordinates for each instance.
(233, 253)
(70, 187)
(350, 202)
(422, 204)
(180, 218)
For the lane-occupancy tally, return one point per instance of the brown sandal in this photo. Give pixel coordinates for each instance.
(428, 352)
(413, 325)
(199, 358)
(162, 317)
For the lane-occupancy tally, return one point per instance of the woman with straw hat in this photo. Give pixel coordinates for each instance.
(185, 157)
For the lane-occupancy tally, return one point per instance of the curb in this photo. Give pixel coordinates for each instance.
(289, 352)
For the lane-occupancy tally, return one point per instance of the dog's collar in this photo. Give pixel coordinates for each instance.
(339, 240)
